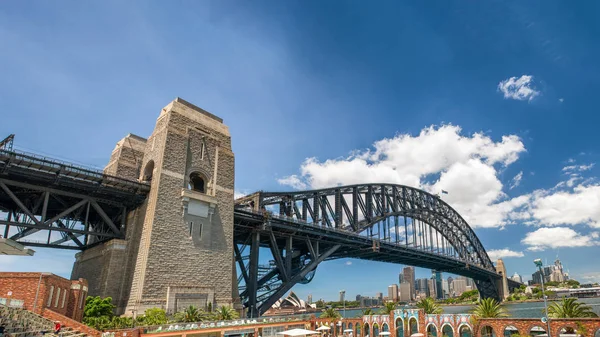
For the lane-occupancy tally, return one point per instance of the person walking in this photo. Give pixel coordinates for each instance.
(2, 327)
(57, 327)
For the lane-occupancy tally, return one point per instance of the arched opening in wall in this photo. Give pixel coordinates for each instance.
(385, 327)
(431, 330)
(510, 330)
(413, 325)
(447, 331)
(148, 171)
(375, 329)
(487, 331)
(367, 330)
(536, 331)
(399, 327)
(358, 330)
(197, 182)
(465, 331)
(568, 330)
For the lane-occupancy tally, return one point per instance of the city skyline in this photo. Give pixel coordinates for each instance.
(494, 105)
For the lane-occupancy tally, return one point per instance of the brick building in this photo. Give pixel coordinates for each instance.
(39, 291)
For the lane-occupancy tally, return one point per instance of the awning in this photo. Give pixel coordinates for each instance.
(298, 332)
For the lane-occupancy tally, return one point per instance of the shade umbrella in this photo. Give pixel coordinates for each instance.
(384, 333)
(417, 335)
(348, 330)
(324, 327)
(298, 332)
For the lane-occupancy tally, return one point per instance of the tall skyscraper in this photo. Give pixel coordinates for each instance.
(405, 291)
(400, 278)
(516, 277)
(309, 299)
(342, 295)
(459, 286)
(393, 292)
(431, 288)
(409, 276)
(437, 276)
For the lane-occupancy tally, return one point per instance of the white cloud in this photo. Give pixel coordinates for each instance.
(518, 88)
(590, 277)
(578, 168)
(561, 100)
(516, 181)
(238, 194)
(496, 254)
(348, 263)
(465, 165)
(294, 181)
(578, 206)
(558, 237)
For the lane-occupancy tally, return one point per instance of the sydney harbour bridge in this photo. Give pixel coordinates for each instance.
(279, 237)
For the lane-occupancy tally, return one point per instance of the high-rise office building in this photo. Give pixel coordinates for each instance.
(431, 288)
(516, 277)
(309, 299)
(409, 276)
(459, 286)
(405, 292)
(437, 276)
(400, 278)
(445, 288)
(358, 297)
(342, 295)
(393, 293)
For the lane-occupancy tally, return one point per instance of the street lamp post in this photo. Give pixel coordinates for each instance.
(538, 263)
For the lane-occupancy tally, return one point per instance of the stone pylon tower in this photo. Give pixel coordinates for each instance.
(178, 247)
(503, 283)
(185, 254)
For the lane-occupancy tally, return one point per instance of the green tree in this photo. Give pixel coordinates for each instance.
(95, 306)
(489, 308)
(368, 312)
(320, 304)
(154, 316)
(330, 313)
(429, 306)
(225, 313)
(570, 308)
(388, 308)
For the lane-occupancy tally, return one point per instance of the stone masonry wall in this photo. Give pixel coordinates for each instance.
(191, 141)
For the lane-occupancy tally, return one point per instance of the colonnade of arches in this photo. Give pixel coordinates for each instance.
(447, 330)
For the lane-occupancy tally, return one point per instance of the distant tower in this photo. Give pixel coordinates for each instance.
(500, 269)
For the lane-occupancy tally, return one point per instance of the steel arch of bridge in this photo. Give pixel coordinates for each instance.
(351, 221)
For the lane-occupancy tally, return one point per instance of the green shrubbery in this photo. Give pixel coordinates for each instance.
(99, 314)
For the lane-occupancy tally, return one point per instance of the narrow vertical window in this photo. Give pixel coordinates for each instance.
(191, 225)
(57, 298)
(202, 150)
(49, 303)
(62, 305)
(81, 297)
(200, 232)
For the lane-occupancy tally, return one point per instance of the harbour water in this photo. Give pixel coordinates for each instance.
(520, 310)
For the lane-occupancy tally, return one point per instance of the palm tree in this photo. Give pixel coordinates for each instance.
(388, 308)
(191, 314)
(429, 306)
(368, 312)
(330, 313)
(226, 313)
(489, 308)
(570, 308)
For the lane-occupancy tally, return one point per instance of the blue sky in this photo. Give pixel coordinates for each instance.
(495, 102)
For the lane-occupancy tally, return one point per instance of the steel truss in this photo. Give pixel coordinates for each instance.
(382, 222)
(80, 221)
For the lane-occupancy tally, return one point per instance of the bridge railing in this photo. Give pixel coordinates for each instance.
(31, 161)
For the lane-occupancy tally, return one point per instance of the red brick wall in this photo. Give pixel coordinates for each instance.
(71, 323)
(25, 286)
(77, 295)
(524, 325)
